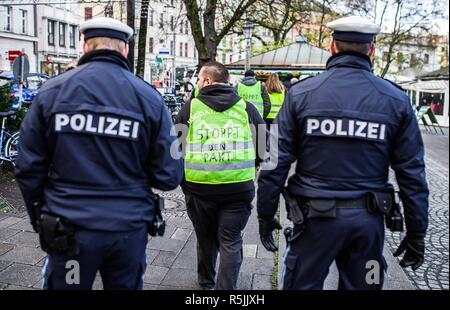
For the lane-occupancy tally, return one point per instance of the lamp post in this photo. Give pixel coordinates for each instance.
(174, 47)
(248, 30)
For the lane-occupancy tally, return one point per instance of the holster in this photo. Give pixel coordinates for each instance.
(56, 234)
(295, 213)
(384, 202)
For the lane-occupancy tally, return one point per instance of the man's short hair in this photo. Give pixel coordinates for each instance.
(362, 48)
(97, 43)
(216, 72)
(249, 73)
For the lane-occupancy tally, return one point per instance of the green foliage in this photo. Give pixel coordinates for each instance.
(6, 99)
(13, 123)
(263, 49)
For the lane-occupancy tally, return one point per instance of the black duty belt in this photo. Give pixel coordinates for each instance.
(358, 203)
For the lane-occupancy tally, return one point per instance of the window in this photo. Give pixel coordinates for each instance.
(150, 19)
(413, 60)
(181, 49)
(87, 13)
(186, 49)
(51, 32)
(62, 34)
(426, 59)
(181, 28)
(171, 24)
(72, 31)
(150, 45)
(24, 24)
(385, 56)
(109, 12)
(6, 15)
(172, 48)
(161, 41)
(186, 27)
(161, 21)
(195, 52)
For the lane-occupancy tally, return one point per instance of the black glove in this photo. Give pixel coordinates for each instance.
(266, 227)
(415, 251)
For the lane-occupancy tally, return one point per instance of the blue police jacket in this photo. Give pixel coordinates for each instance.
(94, 143)
(345, 128)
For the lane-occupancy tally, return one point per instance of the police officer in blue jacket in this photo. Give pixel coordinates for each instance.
(94, 143)
(345, 128)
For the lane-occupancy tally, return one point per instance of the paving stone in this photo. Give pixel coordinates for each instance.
(188, 256)
(257, 265)
(5, 247)
(9, 221)
(251, 238)
(249, 250)
(175, 288)
(151, 255)
(263, 253)
(24, 254)
(23, 225)
(244, 281)
(25, 238)
(261, 282)
(98, 284)
(20, 274)
(164, 259)
(4, 264)
(181, 234)
(166, 244)
(150, 287)
(6, 233)
(41, 262)
(18, 288)
(181, 277)
(155, 274)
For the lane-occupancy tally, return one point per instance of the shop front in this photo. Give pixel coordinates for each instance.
(54, 65)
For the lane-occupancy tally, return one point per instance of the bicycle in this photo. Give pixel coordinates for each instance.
(9, 151)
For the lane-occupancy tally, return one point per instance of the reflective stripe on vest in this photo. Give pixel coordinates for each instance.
(219, 146)
(196, 91)
(252, 94)
(276, 101)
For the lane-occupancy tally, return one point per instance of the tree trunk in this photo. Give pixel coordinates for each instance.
(142, 43)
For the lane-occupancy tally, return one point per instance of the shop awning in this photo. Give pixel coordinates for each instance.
(431, 86)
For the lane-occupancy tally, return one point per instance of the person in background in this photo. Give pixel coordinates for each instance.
(276, 91)
(294, 80)
(255, 92)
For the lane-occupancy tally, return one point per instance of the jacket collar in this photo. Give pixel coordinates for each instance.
(350, 60)
(105, 55)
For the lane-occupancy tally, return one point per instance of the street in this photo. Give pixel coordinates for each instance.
(172, 259)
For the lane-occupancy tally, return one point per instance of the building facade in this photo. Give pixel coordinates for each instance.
(58, 33)
(18, 31)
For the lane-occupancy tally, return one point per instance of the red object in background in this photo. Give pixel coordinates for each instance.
(12, 55)
(49, 58)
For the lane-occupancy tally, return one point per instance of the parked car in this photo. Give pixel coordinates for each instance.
(33, 81)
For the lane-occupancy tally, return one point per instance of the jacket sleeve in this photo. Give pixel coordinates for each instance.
(165, 169)
(33, 159)
(259, 132)
(266, 101)
(407, 160)
(271, 181)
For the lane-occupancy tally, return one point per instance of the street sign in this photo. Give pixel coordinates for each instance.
(13, 54)
(17, 67)
(164, 53)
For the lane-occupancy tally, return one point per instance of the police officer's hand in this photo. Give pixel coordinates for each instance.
(414, 248)
(266, 227)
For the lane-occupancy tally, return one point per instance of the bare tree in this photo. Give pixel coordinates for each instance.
(403, 21)
(142, 41)
(210, 23)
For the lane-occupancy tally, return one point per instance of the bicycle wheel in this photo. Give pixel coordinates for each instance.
(11, 147)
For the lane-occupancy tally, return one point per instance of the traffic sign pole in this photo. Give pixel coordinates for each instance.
(22, 62)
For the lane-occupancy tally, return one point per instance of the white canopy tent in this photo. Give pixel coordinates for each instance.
(440, 87)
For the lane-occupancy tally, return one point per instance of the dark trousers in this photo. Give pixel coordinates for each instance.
(119, 256)
(218, 224)
(354, 239)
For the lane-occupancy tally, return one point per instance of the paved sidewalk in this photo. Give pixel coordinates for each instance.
(172, 258)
